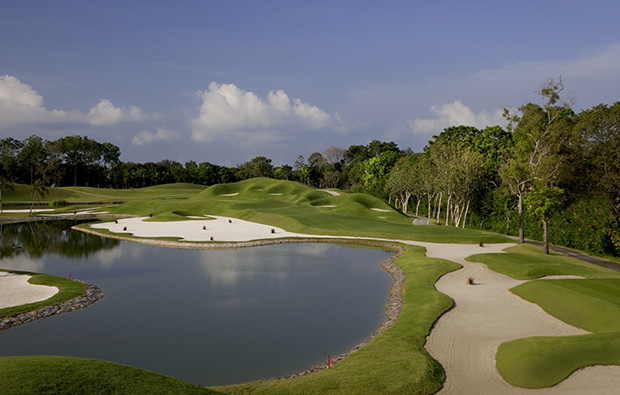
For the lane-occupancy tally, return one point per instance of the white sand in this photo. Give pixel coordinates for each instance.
(219, 228)
(15, 290)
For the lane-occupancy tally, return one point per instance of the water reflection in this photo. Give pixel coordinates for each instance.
(37, 238)
(207, 316)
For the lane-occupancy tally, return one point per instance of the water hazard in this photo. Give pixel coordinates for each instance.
(211, 317)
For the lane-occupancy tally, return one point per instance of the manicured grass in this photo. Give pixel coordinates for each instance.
(592, 303)
(67, 289)
(538, 362)
(525, 262)
(75, 195)
(393, 363)
(64, 375)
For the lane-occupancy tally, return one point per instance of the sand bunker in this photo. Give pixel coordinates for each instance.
(216, 229)
(465, 339)
(15, 290)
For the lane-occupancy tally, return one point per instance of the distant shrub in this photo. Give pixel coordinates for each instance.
(59, 203)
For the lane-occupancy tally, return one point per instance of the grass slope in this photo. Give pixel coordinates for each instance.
(67, 289)
(75, 195)
(592, 303)
(64, 375)
(299, 208)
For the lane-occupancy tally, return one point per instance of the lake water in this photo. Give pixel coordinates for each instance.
(211, 317)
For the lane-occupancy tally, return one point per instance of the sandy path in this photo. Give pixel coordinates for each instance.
(465, 339)
(15, 290)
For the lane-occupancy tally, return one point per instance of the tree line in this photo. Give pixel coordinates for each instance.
(551, 174)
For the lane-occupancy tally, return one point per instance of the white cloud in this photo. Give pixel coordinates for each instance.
(590, 75)
(104, 113)
(161, 134)
(235, 114)
(21, 104)
(454, 114)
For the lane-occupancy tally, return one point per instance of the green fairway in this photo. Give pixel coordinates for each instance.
(67, 289)
(538, 362)
(77, 195)
(592, 303)
(63, 375)
(526, 262)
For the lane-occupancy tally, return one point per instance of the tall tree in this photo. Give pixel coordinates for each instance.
(9, 149)
(541, 202)
(38, 191)
(31, 155)
(538, 133)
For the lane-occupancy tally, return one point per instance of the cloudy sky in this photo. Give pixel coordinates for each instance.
(224, 81)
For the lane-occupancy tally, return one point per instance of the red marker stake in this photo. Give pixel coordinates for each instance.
(328, 362)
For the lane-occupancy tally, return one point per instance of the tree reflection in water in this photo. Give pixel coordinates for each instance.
(34, 239)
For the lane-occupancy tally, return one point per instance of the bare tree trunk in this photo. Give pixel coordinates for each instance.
(521, 231)
(465, 215)
(439, 207)
(406, 202)
(33, 200)
(457, 214)
(417, 207)
(448, 210)
(545, 237)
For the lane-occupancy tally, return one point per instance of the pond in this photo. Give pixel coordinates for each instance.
(211, 317)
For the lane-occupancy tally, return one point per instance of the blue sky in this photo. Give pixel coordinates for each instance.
(224, 81)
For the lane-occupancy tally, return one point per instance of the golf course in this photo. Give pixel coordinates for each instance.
(480, 313)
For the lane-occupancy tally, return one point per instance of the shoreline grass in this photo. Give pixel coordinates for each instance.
(69, 375)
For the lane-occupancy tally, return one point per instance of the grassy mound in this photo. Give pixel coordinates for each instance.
(65, 375)
(302, 209)
(593, 305)
(538, 362)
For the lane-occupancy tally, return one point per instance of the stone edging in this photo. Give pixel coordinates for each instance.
(92, 293)
(393, 306)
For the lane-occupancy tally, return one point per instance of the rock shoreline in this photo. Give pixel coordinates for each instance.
(393, 306)
(92, 294)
